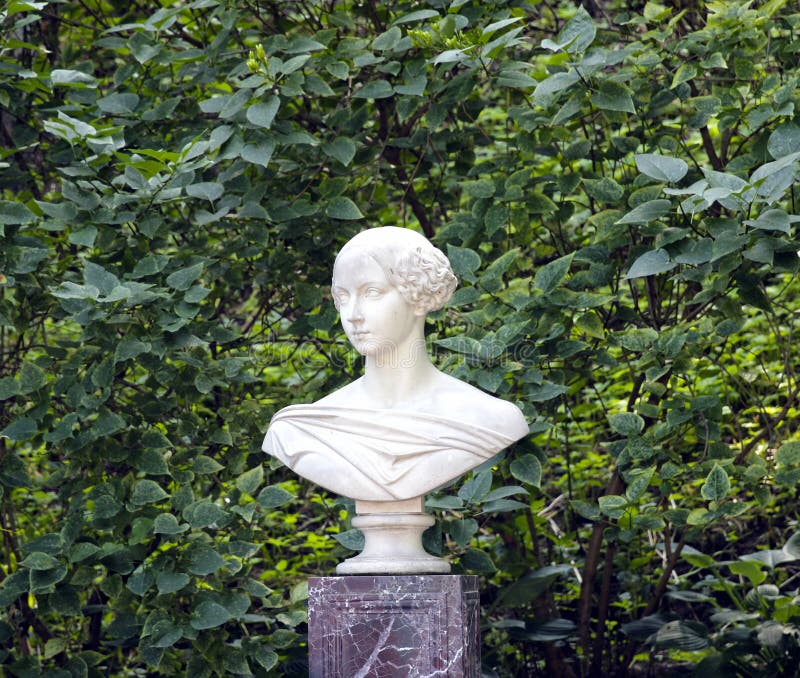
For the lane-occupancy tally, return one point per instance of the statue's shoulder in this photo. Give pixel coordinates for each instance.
(472, 405)
(344, 396)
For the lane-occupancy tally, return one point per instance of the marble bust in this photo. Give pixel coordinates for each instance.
(404, 428)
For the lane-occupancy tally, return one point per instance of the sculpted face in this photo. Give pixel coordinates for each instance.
(376, 318)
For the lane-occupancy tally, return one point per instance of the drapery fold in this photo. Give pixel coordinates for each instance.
(377, 454)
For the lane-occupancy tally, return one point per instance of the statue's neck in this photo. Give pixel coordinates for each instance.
(392, 380)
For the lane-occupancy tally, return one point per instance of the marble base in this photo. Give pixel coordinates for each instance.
(388, 626)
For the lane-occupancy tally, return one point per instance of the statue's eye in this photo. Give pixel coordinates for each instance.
(342, 298)
(373, 292)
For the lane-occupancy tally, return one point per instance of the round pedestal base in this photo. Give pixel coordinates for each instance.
(393, 545)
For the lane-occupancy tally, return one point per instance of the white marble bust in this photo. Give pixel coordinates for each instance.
(404, 428)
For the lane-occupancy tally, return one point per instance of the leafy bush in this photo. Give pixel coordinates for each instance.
(616, 191)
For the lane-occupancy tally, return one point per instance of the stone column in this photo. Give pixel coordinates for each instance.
(394, 626)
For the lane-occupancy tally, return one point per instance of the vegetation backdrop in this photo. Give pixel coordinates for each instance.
(615, 185)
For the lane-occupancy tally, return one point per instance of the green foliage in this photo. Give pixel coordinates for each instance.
(617, 194)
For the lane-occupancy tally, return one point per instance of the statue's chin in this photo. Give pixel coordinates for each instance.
(372, 348)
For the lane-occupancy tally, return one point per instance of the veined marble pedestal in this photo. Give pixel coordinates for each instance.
(392, 626)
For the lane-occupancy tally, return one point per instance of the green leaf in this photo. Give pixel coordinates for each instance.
(204, 513)
(462, 530)
(444, 502)
(792, 546)
(682, 635)
(342, 149)
(97, 276)
(460, 344)
(551, 630)
(464, 262)
(263, 113)
(773, 220)
(516, 79)
(750, 569)
(9, 387)
(260, 153)
(480, 188)
(499, 266)
(249, 481)
(646, 212)
(788, 454)
(208, 615)
(785, 140)
(660, 167)
(204, 560)
(547, 391)
(418, 15)
(717, 484)
(604, 190)
(166, 523)
(650, 263)
(626, 423)
(107, 423)
(637, 339)
(183, 278)
(387, 40)
(684, 73)
(20, 429)
(474, 560)
(294, 64)
(31, 378)
(638, 482)
(338, 69)
(151, 462)
(147, 492)
(39, 561)
(170, 582)
(377, 89)
(119, 103)
(527, 469)
(54, 646)
(266, 658)
(205, 465)
(613, 96)
(15, 213)
(770, 557)
(549, 276)
(142, 48)
(342, 207)
(209, 190)
(585, 509)
(130, 348)
(554, 84)
(501, 505)
(63, 77)
(273, 496)
(351, 539)
(613, 505)
(475, 489)
(591, 324)
(139, 582)
(576, 36)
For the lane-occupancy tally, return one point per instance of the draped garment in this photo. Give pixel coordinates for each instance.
(377, 454)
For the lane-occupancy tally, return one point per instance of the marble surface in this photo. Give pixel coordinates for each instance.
(383, 626)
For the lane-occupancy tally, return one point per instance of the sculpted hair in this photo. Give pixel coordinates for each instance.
(419, 270)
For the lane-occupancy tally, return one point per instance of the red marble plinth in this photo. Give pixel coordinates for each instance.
(394, 626)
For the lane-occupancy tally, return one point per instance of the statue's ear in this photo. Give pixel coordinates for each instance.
(420, 311)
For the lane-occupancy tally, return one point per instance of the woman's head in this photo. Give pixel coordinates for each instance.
(420, 272)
